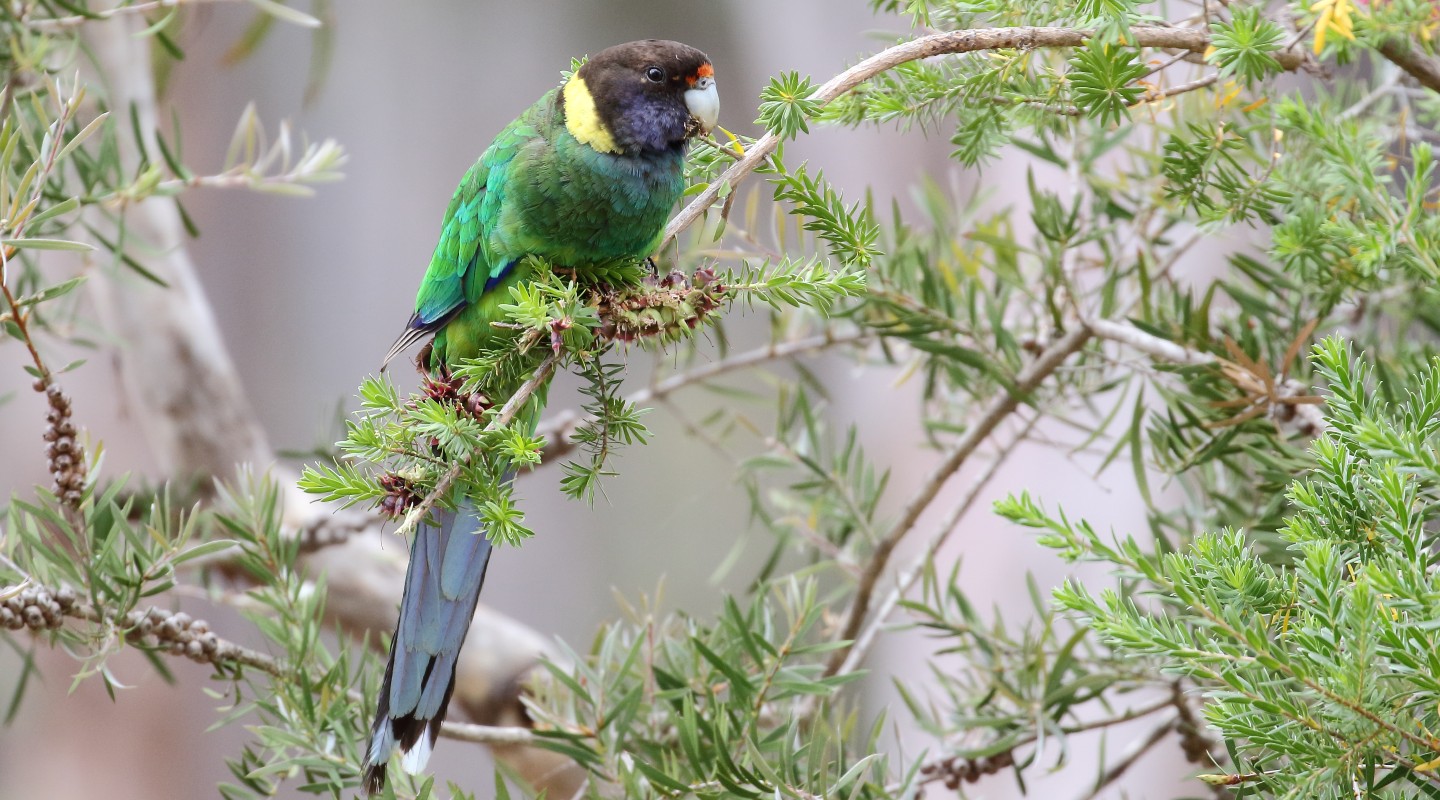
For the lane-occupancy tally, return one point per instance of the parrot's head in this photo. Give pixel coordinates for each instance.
(642, 97)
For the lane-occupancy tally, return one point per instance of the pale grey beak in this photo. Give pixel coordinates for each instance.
(704, 103)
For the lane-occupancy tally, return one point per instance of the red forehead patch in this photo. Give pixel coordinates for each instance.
(705, 71)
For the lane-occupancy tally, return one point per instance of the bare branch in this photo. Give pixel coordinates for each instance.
(995, 412)
(910, 574)
(1134, 753)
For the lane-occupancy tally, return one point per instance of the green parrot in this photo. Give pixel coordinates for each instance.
(587, 175)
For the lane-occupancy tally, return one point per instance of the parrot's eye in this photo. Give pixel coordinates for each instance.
(655, 74)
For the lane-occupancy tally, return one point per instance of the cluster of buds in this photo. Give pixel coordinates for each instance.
(66, 456)
(400, 496)
(39, 608)
(953, 770)
(176, 632)
(665, 308)
(446, 389)
(35, 608)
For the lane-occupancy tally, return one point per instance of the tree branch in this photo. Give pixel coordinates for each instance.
(1404, 54)
(1164, 350)
(1194, 40)
(995, 412)
(907, 578)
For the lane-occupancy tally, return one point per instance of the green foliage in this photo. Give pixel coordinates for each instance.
(1100, 77)
(1320, 667)
(787, 104)
(1243, 46)
(1222, 172)
(679, 706)
(610, 421)
(1105, 10)
(849, 231)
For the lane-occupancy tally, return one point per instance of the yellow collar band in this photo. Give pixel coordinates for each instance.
(581, 118)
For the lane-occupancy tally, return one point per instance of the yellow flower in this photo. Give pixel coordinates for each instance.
(1335, 15)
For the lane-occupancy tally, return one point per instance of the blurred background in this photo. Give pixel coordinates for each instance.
(310, 293)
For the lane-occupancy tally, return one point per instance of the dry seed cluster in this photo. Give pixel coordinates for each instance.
(66, 456)
(176, 632)
(953, 770)
(36, 608)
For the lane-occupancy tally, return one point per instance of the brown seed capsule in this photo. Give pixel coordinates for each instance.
(33, 617)
(195, 650)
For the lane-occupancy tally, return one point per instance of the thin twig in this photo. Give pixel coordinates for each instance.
(561, 425)
(932, 773)
(1134, 753)
(995, 412)
(1199, 83)
(489, 734)
(912, 572)
(1386, 86)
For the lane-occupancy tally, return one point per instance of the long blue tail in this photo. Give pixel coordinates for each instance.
(442, 585)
